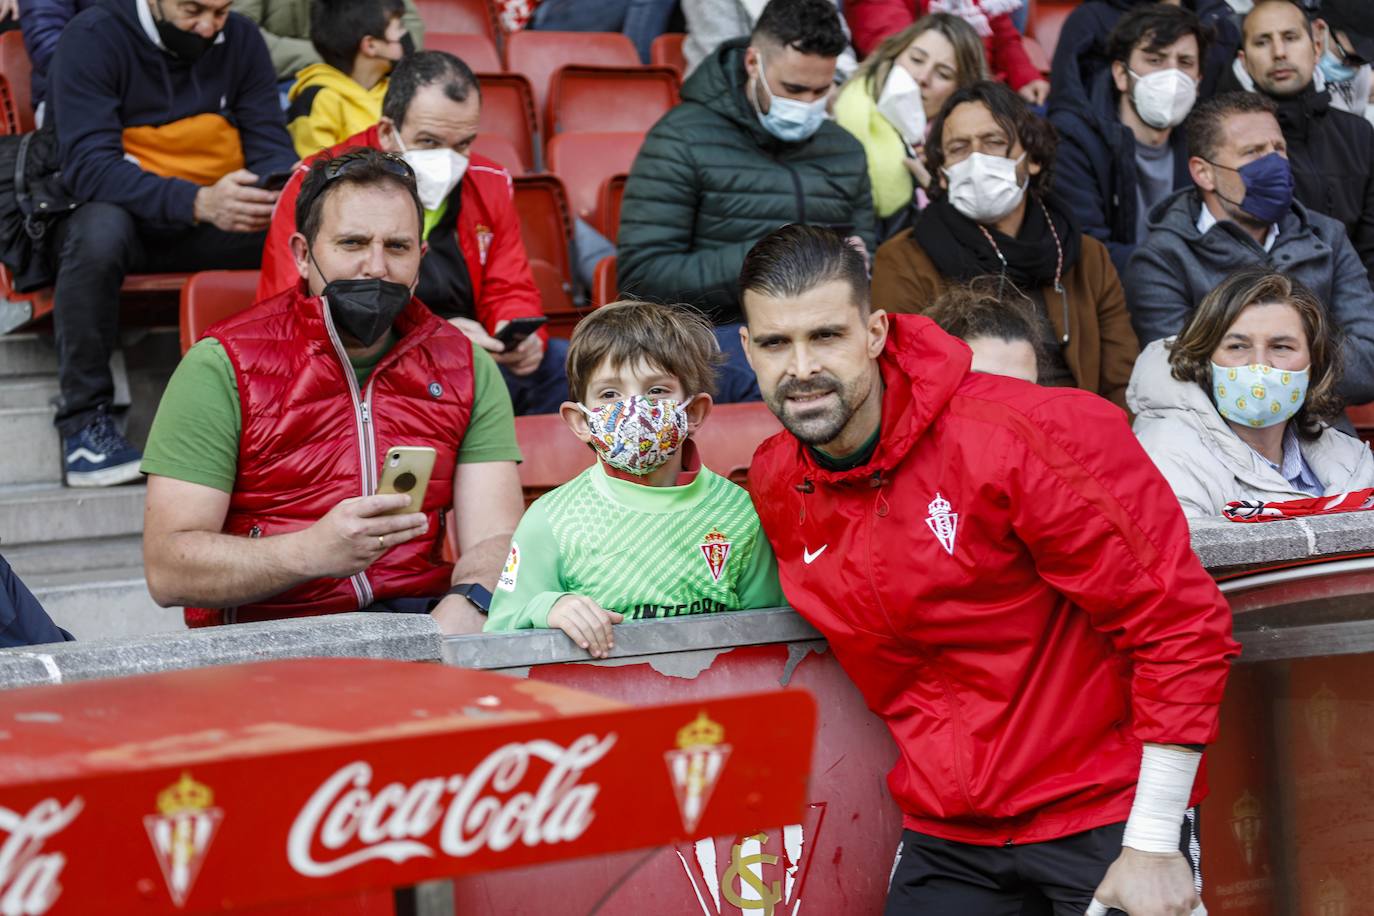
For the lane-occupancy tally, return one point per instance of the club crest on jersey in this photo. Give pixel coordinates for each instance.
(943, 523)
(181, 833)
(484, 239)
(695, 766)
(716, 550)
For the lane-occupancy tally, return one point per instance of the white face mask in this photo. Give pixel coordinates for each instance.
(437, 172)
(1163, 98)
(900, 103)
(984, 188)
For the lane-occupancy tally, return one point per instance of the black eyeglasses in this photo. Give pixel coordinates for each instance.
(340, 166)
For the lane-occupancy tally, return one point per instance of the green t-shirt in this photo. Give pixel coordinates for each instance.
(195, 435)
(644, 551)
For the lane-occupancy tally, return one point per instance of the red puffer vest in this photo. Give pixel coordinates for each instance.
(311, 438)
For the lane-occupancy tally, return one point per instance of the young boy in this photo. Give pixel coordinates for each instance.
(359, 41)
(645, 532)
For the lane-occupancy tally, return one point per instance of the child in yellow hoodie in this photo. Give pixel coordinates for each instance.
(359, 41)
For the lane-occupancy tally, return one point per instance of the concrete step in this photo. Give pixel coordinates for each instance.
(103, 604)
(88, 554)
(31, 447)
(27, 354)
(28, 391)
(46, 514)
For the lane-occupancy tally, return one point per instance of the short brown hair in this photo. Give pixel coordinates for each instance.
(673, 338)
(987, 307)
(1190, 355)
(1206, 126)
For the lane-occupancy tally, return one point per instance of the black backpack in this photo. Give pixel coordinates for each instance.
(33, 198)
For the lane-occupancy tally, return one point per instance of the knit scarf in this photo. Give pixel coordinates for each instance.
(960, 250)
(1255, 510)
(976, 12)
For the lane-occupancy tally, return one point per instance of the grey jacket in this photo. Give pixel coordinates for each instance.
(1177, 266)
(1206, 463)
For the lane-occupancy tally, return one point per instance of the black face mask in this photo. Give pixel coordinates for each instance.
(365, 309)
(187, 46)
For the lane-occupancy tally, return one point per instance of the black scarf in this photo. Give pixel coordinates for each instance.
(961, 252)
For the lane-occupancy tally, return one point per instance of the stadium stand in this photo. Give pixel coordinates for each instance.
(508, 111)
(586, 159)
(539, 55)
(608, 205)
(1045, 21)
(546, 227)
(211, 296)
(460, 17)
(603, 282)
(666, 51)
(585, 98)
(498, 148)
(476, 50)
(16, 106)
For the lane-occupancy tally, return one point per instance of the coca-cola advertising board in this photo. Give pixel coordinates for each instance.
(218, 788)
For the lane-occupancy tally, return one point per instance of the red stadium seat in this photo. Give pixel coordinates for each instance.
(552, 454)
(610, 98)
(460, 17)
(1036, 54)
(16, 103)
(666, 51)
(508, 111)
(546, 227)
(608, 205)
(500, 150)
(603, 282)
(1046, 19)
(539, 55)
(585, 159)
(477, 51)
(730, 436)
(211, 296)
(1362, 418)
(145, 300)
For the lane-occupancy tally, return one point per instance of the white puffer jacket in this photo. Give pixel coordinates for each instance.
(1206, 463)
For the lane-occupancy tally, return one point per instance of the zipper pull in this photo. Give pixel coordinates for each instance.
(367, 414)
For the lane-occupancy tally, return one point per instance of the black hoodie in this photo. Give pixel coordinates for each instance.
(109, 78)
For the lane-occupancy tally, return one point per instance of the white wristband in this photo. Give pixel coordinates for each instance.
(1161, 799)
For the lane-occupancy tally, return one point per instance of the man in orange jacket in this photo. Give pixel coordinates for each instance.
(1007, 579)
(475, 272)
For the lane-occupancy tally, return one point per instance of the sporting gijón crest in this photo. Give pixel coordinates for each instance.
(716, 550)
(763, 874)
(943, 523)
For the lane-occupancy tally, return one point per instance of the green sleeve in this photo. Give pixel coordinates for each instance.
(195, 435)
(759, 586)
(490, 435)
(530, 582)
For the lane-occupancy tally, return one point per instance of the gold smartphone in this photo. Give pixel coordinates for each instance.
(406, 470)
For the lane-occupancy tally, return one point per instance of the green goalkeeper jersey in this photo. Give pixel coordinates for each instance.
(644, 551)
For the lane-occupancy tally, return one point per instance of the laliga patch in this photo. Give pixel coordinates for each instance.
(716, 550)
(511, 571)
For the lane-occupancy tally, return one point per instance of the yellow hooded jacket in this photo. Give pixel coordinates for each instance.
(328, 106)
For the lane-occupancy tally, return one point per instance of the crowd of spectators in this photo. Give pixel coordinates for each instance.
(1082, 228)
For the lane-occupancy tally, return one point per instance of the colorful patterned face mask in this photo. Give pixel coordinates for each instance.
(1257, 395)
(637, 435)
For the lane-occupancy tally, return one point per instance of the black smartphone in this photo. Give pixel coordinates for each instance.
(273, 181)
(515, 332)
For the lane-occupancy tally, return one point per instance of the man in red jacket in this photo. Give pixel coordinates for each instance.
(1007, 579)
(475, 273)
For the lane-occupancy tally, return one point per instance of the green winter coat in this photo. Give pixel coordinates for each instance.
(709, 182)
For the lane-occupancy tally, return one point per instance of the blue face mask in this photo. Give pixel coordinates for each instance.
(1268, 187)
(1335, 69)
(787, 119)
(1258, 396)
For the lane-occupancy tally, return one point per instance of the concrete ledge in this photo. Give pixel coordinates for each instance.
(1224, 545)
(405, 637)
(524, 648)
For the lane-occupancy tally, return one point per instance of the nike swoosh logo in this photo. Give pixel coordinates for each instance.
(808, 557)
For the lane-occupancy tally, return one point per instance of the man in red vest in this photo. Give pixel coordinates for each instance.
(475, 273)
(264, 458)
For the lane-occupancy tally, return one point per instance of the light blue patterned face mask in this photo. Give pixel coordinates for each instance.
(1258, 396)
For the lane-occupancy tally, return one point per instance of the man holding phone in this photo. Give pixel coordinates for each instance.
(475, 273)
(283, 429)
(166, 115)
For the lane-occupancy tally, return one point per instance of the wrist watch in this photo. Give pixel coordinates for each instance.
(477, 596)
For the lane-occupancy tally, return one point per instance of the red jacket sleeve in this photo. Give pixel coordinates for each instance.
(508, 289)
(278, 266)
(870, 21)
(1107, 532)
(1007, 55)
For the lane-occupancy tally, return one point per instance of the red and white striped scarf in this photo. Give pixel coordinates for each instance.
(1254, 510)
(976, 12)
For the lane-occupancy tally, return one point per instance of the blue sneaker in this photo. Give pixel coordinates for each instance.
(98, 456)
